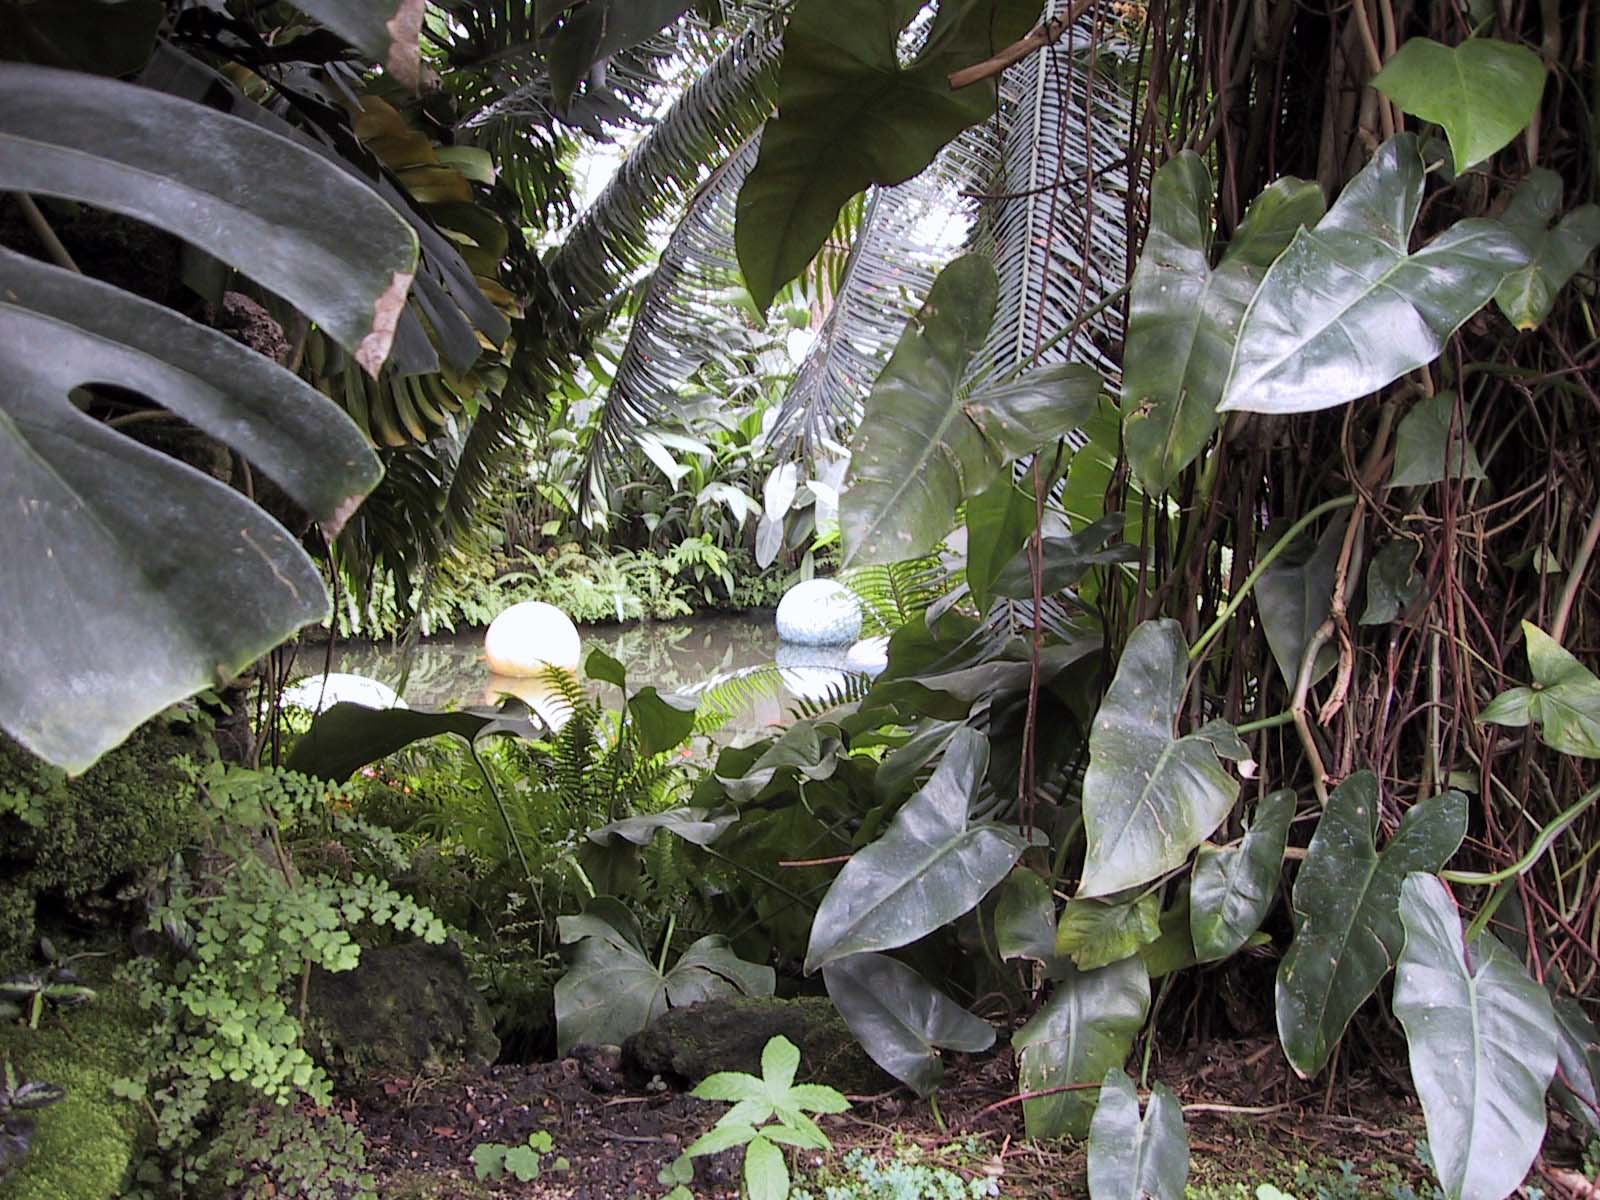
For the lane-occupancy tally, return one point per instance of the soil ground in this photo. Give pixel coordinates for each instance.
(1249, 1121)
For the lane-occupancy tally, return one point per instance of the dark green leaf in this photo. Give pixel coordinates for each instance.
(594, 30)
(1564, 701)
(999, 519)
(849, 116)
(931, 865)
(1295, 598)
(1067, 559)
(315, 235)
(1132, 1158)
(901, 1021)
(1484, 92)
(1392, 581)
(1578, 1055)
(602, 667)
(1422, 440)
(1025, 918)
(347, 737)
(1084, 1029)
(1555, 253)
(1174, 949)
(1035, 409)
(1483, 1046)
(385, 30)
(1233, 886)
(1377, 311)
(661, 722)
(1347, 911)
(1094, 933)
(1184, 316)
(1150, 797)
(697, 826)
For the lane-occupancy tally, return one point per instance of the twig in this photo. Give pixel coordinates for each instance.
(830, 861)
(1580, 566)
(41, 229)
(1045, 35)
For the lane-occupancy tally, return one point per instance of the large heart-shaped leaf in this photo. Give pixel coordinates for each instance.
(299, 226)
(1392, 581)
(1183, 315)
(850, 115)
(613, 989)
(922, 448)
(1484, 92)
(1482, 1036)
(1149, 796)
(1233, 886)
(1295, 598)
(1430, 445)
(1347, 911)
(1134, 1158)
(932, 865)
(1347, 309)
(385, 30)
(1555, 252)
(1084, 1029)
(139, 579)
(901, 1020)
(1564, 701)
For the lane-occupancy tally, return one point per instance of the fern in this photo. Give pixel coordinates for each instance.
(893, 594)
(851, 688)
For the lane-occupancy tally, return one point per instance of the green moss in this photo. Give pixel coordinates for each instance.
(87, 1145)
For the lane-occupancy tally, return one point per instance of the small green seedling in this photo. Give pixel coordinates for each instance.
(493, 1160)
(766, 1112)
(26, 994)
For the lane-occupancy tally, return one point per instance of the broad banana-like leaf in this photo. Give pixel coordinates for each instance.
(922, 448)
(1093, 933)
(1233, 887)
(1555, 252)
(1347, 308)
(1578, 1055)
(1484, 92)
(1431, 446)
(315, 235)
(1134, 1158)
(613, 989)
(1347, 911)
(1295, 598)
(1564, 700)
(1084, 1029)
(1183, 314)
(387, 31)
(901, 1020)
(1482, 1037)
(1149, 796)
(931, 865)
(849, 116)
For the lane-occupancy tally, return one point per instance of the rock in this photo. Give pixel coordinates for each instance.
(687, 1044)
(819, 612)
(338, 687)
(405, 1010)
(531, 637)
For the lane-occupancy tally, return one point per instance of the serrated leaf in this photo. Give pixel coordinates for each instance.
(1346, 911)
(1183, 315)
(1295, 598)
(1377, 310)
(1424, 441)
(729, 1086)
(1093, 933)
(1233, 887)
(780, 1059)
(931, 865)
(1085, 1028)
(1149, 796)
(901, 1020)
(1484, 92)
(1564, 701)
(1133, 1157)
(818, 1098)
(1482, 1037)
(720, 1137)
(1555, 252)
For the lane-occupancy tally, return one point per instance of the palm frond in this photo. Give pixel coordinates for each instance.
(1056, 218)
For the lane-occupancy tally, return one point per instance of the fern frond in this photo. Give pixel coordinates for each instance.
(850, 689)
(892, 594)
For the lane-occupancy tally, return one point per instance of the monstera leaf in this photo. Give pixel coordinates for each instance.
(849, 116)
(613, 989)
(1184, 314)
(1134, 1158)
(1375, 310)
(1564, 700)
(901, 1020)
(1555, 252)
(1484, 92)
(1149, 796)
(1084, 1029)
(932, 865)
(1483, 1046)
(1346, 909)
(1233, 886)
(922, 447)
(137, 579)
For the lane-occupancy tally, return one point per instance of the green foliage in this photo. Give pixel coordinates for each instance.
(1483, 91)
(1134, 1157)
(766, 1112)
(907, 1175)
(1564, 700)
(266, 1151)
(1233, 887)
(495, 1160)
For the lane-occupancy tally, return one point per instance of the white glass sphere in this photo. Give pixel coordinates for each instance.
(528, 637)
(819, 612)
(339, 687)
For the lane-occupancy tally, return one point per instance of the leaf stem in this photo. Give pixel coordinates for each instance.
(1547, 835)
(41, 230)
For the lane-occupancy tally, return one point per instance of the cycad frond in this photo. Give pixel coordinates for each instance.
(1056, 218)
(892, 594)
(850, 688)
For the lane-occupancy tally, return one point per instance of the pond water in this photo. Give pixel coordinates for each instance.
(675, 656)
